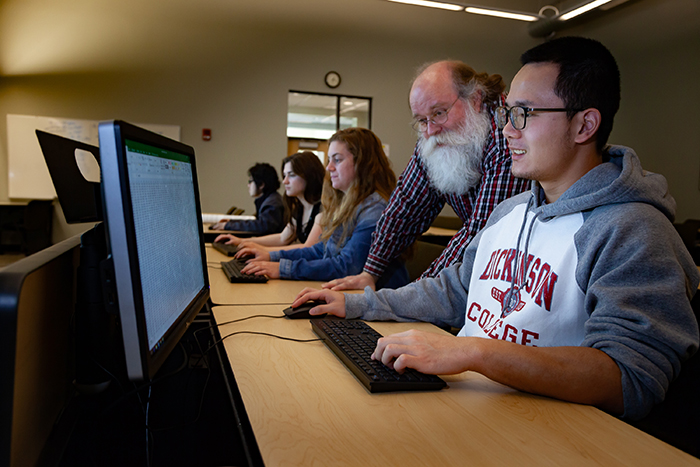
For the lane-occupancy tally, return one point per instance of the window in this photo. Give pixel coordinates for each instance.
(318, 116)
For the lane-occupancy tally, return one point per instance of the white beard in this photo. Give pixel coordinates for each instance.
(455, 166)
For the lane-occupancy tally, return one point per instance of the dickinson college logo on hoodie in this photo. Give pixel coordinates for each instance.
(523, 287)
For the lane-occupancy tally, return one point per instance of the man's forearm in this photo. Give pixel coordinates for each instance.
(577, 374)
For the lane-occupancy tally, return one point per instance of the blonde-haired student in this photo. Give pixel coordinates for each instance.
(358, 183)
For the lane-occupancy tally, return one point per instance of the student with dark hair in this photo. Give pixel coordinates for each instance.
(579, 289)
(263, 183)
(302, 177)
(356, 189)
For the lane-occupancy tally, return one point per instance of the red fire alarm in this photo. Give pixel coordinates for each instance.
(206, 134)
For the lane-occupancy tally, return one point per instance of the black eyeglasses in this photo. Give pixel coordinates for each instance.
(518, 115)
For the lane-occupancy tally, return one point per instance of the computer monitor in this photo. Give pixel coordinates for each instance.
(155, 240)
(37, 295)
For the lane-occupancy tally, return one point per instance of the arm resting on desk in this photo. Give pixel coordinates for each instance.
(577, 374)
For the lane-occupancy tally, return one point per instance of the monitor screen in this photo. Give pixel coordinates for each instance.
(155, 240)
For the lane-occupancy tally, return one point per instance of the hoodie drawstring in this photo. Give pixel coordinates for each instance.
(512, 296)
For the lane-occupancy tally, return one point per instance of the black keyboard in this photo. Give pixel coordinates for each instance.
(232, 269)
(353, 342)
(225, 248)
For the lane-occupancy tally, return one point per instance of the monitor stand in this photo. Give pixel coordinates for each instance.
(95, 327)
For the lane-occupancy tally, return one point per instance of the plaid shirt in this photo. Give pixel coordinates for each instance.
(415, 204)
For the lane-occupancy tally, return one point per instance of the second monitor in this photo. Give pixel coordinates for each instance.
(155, 242)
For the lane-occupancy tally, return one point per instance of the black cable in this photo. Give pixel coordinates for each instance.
(216, 342)
(236, 321)
(182, 366)
(227, 322)
(148, 433)
(243, 319)
(261, 334)
(212, 304)
(147, 384)
(204, 389)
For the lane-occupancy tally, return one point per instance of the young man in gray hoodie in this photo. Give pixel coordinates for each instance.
(579, 289)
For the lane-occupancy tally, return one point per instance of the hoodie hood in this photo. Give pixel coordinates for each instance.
(619, 179)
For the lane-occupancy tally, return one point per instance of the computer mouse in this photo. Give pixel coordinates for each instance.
(302, 311)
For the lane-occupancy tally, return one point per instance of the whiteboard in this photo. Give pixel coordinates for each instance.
(28, 176)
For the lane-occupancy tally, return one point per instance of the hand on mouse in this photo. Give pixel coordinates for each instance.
(335, 301)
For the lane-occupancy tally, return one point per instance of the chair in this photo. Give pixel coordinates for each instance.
(688, 232)
(424, 253)
(448, 222)
(36, 227)
(677, 419)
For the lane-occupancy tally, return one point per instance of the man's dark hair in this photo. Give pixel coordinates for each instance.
(265, 177)
(588, 77)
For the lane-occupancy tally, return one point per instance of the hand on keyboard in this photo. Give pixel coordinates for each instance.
(353, 342)
(255, 253)
(233, 268)
(267, 268)
(427, 352)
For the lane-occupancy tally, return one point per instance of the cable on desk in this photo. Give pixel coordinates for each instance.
(243, 319)
(261, 334)
(212, 304)
(236, 321)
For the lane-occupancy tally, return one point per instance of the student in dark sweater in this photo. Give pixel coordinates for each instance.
(303, 175)
(263, 183)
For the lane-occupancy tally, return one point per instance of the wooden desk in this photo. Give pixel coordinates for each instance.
(438, 235)
(440, 232)
(281, 292)
(306, 408)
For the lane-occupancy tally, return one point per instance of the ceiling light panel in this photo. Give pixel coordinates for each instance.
(582, 9)
(442, 6)
(501, 14)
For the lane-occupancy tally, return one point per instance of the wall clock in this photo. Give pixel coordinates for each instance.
(332, 79)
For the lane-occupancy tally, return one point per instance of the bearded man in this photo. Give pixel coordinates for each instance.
(461, 158)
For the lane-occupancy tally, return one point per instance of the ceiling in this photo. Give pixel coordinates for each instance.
(54, 36)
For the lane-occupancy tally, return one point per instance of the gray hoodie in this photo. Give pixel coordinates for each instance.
(601, 267)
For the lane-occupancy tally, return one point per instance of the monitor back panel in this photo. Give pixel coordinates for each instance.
(36, 350)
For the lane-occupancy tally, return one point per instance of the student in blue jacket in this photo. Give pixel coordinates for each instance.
(358, 183)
